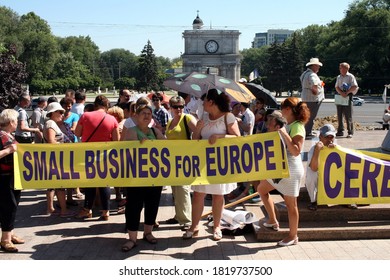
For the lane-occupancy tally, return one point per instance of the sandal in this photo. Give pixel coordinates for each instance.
(8, 247)
(128, 246)
(274, 226)
(189, 234)
(217, 235)
(150, 238)
(84, 213)
(16, 239)
(121, 210)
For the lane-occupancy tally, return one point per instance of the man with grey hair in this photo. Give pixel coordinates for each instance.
(23, 131)
(346, 86)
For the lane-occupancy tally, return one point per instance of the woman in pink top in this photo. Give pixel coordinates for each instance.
(97, 126)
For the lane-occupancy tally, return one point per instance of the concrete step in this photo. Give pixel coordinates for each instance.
(327, 223)
(325, 213)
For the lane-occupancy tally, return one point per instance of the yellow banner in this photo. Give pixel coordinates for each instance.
(153, 163)
(349, 176)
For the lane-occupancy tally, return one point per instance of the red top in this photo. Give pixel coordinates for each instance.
(90, 120)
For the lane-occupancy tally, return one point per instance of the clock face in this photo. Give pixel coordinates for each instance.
(211, 46)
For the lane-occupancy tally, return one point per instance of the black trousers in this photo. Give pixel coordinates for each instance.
(9, 201)
(90, 194)
(138, 198)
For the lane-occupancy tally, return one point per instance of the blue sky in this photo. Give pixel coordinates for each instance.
(130, 24)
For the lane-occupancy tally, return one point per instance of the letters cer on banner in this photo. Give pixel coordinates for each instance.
(350, 176)
(158, 162)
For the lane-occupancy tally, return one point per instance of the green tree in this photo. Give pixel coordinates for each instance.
(292, 63)
(366, 29)
(119, 63)
(254, 58)
(148, 74)
(125, 82)
(276, 76)
(83, 50)
(67, 67)
(9, 28)
(12, 75)
(40, 49)
(177, 62)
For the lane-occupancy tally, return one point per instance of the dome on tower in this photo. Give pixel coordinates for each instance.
(197, 23)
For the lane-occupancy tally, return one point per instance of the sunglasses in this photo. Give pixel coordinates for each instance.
(177, 106)
(155, 99)
(61, 112)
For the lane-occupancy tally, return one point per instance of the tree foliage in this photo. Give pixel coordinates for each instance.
(12, 75)
(254, 58)
(83, 49)
(148, 74)
(361, 38)
(119, 63)
(40, 49)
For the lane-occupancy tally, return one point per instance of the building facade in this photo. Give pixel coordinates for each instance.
(212, 51)
(271, 36)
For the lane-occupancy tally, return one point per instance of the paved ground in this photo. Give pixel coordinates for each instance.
(55, 238)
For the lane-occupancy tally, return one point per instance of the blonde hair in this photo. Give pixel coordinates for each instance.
(8, 116)
(117, 112)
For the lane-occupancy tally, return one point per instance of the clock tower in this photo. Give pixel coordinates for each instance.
(211, 50)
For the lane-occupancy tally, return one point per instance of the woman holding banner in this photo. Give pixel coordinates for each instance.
(142, 197)
(9, 197)
(217, 123)
(297, 114)
(97, 126)
(180, 127)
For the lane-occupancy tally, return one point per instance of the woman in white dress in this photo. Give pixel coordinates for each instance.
(217, 122)
(297, 114)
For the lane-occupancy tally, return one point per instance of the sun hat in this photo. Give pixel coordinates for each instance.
(54, 106)
(327, 130)
(314, 61)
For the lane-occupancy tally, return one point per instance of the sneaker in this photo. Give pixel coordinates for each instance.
(349, 136)
(339, 134)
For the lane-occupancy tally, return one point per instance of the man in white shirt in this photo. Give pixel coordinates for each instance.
(327, 136)
(78, 107)
(312, 92)
(247, 120)
(346, 86)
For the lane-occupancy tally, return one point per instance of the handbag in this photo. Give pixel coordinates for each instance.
(341, 101)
